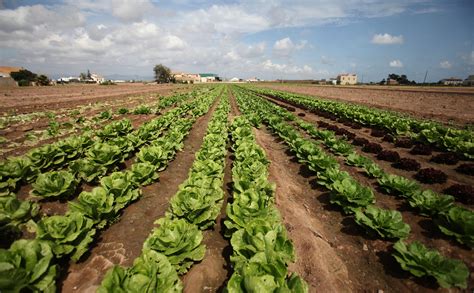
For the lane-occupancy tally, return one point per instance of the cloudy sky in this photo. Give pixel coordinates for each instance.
(263, 38)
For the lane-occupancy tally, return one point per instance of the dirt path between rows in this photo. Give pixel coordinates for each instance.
(214, 270)
(329, 259)
(454, 177)
(122, 242)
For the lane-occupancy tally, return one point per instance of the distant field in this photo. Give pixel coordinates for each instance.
(446, 104)
(29, 99)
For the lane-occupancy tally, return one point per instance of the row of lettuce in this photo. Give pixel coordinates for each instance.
(429, 132)
(56, 170)
(176, 243)
(451, 219)
(81, 123)
(260, 245)
(101, 147)
(358, 200)
(33, 264)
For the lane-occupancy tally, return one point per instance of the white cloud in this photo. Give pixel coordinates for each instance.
(130, 10)
(396, 63)
(387, 39)
(326, 60)
(470, 58)
(117, 36)
(31, 18)
(445, 64)
(246, 52)
(286, 68)
(123, 10)
(285, 46)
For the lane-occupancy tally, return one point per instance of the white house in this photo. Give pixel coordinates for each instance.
(451, 81)
(254, 79)
(209, 77)
(97, 78)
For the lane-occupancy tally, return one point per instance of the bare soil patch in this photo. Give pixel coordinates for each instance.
(31, 99)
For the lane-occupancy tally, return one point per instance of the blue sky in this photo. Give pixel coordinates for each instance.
(263, 38)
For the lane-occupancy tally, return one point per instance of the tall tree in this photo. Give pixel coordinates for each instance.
(24, 77)
(42, 80)
(162, 74)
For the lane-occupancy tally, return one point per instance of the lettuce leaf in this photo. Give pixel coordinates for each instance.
(421, 261)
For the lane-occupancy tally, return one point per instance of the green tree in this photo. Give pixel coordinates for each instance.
(162, 74)
(24, 77)
(42, 80)
(402, 79)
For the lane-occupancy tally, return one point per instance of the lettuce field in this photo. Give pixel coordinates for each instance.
(232, 188)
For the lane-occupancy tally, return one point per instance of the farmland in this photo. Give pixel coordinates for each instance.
(244, 187)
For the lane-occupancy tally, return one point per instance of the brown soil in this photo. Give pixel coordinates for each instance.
(333, 253)
(453, 176)
(136, 120)
(211, 273)
(214, 270)
(31, 99)
(453, 106)
(364, 253)
(17, 131)
(122, 242)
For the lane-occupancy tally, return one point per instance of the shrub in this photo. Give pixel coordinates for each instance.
(421, 149)
(360, 141)
(431, 176)
(446, 158)
(372, 147)
(378, 133)
(463, 193)
(404, 143)
(407, 164)
(388, 138)
(123, 111)
(466, 169)
(390, 156)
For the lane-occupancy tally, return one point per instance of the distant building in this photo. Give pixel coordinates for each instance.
(347, 79)
(469, 81)
(252, 79)
(5, 78)
(235, 79)
(451, 81)
(97, 78)
(391, 81)
(186, 77)
(69, 79)
(209, 77)
(6, 70)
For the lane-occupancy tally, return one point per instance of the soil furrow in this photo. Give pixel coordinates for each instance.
(453, 176)
(122, 242)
